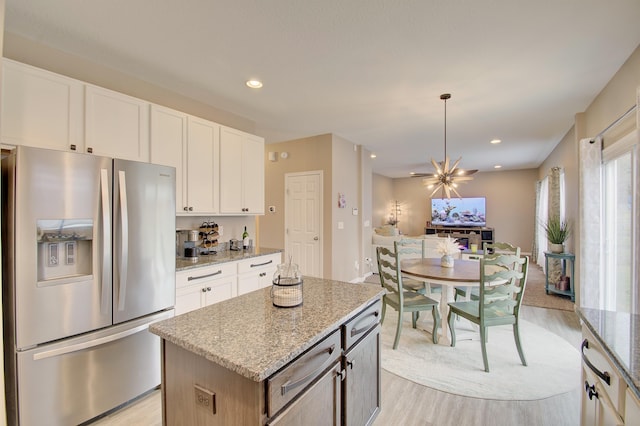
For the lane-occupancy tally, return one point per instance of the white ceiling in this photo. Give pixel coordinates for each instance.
(370, 71)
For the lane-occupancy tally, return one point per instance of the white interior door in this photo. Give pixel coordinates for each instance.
(303, 221)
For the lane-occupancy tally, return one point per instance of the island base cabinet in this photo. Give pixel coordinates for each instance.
(236, 400)
(362, 381)
(319, 405)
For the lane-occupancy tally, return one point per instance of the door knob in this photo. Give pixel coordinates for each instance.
(315, 238)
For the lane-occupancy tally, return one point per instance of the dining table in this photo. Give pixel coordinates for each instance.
(464, 273)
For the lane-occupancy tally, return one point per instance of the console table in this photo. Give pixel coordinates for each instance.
(567, 261)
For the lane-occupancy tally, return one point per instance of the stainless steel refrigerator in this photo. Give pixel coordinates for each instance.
(88, 264)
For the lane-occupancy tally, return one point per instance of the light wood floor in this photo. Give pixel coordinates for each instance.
(407, 403)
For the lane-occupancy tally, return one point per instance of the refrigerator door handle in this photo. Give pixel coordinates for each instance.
(89, 344)
(106, 240)
(124, 227)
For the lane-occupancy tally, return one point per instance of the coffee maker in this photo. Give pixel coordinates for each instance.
(186, 240)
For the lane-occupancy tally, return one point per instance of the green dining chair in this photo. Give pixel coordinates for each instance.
(414, 248)
(400, 299)
(488, 249)
(503, 278)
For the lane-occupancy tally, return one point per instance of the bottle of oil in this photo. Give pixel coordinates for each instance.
(245, 239)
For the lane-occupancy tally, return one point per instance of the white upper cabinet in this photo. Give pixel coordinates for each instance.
(40, 108)
(241, 172)
(191, 145)
(202, 166)
(168, 145)
(116, 125)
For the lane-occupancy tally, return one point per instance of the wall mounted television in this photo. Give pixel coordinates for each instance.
(469, 211)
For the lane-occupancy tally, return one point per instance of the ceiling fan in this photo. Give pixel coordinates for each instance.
(446, 176)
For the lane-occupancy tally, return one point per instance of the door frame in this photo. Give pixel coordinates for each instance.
(320, 174)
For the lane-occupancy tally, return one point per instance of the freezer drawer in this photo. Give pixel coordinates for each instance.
(75, 380)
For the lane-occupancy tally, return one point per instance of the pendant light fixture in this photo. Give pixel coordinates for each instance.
(447, 176)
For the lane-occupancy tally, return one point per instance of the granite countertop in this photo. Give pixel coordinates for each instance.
(253, 338)
(619, 335)
(183, 263)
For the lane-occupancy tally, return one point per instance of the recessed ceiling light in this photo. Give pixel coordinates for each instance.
(496, 141)
(254, 84)
(497, 166)
(373, 156)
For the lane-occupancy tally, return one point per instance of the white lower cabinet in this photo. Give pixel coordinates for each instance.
(631, 409)
(203, 286)
(200, 287)
(257, 272)
(604, 390)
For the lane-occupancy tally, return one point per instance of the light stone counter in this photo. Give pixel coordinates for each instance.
(250, 336)
(617, 333)
(183, 263)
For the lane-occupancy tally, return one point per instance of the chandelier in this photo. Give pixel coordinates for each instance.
(447, 176)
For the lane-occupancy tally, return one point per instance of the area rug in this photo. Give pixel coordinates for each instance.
(535, 294)
(553, 364)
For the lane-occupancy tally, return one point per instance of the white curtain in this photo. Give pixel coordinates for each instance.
(542, 212)
(590, 222)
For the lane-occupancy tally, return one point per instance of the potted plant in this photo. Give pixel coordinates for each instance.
(557, 233)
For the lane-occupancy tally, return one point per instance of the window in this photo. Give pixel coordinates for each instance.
(618, 290)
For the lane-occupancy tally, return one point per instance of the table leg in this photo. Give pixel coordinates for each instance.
(445, 297)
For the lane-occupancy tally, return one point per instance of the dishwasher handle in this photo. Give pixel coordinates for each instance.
(603, 375)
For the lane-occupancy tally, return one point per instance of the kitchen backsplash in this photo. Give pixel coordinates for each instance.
(232, 226)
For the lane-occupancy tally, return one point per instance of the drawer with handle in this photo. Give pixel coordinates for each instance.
(195, 275)
(286, 384)
(595, 360)
(356, 328)
(259, 262)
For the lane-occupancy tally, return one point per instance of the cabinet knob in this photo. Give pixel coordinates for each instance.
(590, 390)
(208, 288)
(72, 147)
(185, 208)
(190, 209)
(90, 150)
(204, 290)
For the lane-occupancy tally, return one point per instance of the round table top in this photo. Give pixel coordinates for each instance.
(467, 271)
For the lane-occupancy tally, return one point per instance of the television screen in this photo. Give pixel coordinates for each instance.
(458, 211)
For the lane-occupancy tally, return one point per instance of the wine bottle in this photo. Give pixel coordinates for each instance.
(245, 239)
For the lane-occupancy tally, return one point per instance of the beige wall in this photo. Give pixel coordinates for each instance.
(307, 154)
(611, 103)
(382, 198)
(510, 203)
(41, 56)
(346, 248)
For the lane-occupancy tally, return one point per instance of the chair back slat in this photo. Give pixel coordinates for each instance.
(410, 248)
(502, 281)
(389, 271)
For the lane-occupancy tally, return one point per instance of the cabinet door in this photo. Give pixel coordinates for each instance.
(362, 383)
(253, 174)
(219, 290)
(203, 145)
(319, 405)
(168, 140)
(231, 174)
(241, 172)
(40, 108)
(116, 125)
(631, 409)
(189, 298)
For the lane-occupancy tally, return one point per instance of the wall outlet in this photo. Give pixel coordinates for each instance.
(205, 399)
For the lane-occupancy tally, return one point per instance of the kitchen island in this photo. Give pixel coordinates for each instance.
(245, 361)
